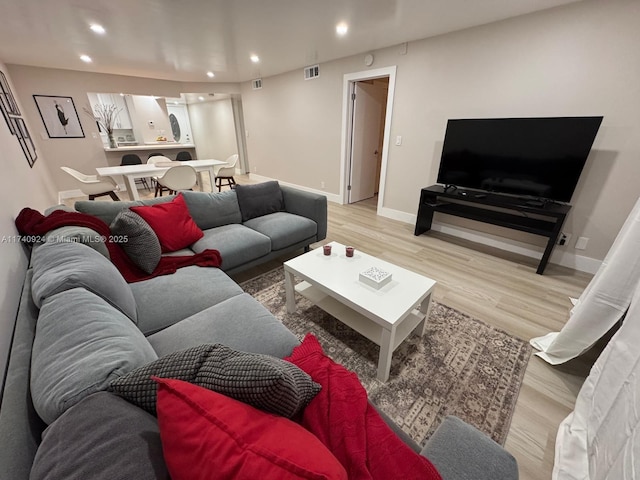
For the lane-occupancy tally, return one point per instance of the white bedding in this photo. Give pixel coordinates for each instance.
(600, 439)
(603, 303)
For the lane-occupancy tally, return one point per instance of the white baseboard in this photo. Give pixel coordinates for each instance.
(331, 197)
(65, 194)
(397, 215)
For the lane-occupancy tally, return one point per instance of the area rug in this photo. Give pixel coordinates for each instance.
(461, 366)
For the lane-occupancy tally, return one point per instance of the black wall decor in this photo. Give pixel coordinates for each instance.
(15, 122)
(25, 140)
(59, 116)
(6, 97)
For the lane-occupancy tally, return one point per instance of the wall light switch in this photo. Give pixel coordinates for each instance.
(399, 140)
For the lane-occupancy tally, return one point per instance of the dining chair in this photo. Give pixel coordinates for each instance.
(182, 177)
(94, 185)
(156, 159)
(183, 156)
(226, 172)
(134, 159)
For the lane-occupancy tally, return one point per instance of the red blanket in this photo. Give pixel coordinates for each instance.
(342, 418)
(32, 223)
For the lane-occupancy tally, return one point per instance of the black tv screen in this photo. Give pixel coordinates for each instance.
(532, 157)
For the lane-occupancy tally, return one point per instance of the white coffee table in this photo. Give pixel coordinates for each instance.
(386, 316)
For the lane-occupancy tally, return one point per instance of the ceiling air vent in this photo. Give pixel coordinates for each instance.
(311, 72)
(256, 84)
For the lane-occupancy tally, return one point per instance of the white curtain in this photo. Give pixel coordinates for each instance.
(604, 301)
(600, 439)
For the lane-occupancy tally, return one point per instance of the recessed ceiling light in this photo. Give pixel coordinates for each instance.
(211, 74)
(342, 29)
(255, 58)
(201, 98)
(86, 58)
(99, 29)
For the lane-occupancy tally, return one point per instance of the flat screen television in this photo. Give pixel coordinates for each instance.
(539, 158)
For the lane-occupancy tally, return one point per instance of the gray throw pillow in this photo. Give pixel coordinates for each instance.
(103, 437)
(81, 344)
(137, 239)
(259, 199)
(262, 381)
(210, 210)
(62, 266)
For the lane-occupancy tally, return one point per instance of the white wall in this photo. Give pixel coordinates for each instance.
(294, 126)
(213, 128)
(580, 59)
(20, 186)
(149, 115)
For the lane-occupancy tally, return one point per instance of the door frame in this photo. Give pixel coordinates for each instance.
(349, 81)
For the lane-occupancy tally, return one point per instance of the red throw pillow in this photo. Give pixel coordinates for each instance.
(207, 435)
(172, 223)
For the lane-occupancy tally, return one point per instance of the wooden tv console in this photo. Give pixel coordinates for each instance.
(529, 216)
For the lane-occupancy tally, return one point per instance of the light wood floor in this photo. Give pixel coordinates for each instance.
(497, 287)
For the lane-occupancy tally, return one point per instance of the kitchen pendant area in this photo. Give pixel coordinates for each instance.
(203, 124)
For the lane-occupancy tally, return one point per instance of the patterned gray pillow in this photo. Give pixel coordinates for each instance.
(263, 381)
(137, 239)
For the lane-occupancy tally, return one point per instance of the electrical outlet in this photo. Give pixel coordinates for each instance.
(563, 238)
(581, 243)
(322, 185)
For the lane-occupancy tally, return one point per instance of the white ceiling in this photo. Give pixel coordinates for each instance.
(182, 40)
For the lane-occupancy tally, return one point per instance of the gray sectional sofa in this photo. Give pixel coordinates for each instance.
(243, 242)
(80, 325)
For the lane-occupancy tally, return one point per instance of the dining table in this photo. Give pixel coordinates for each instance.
(131, 172)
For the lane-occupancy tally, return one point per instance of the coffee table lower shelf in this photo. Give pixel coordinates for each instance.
(388, 340)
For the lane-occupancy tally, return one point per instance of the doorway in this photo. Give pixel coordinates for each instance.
(367, 109)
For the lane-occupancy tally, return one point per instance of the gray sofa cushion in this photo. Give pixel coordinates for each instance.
(107, 211)
(20, 425)
(240, 322)
(210, 210)
(284, 229)
(82, 343)
(307, 204)
(139, 241)
(83, 235)
(237, 244)
(103, 437)
(62, 266)
(167, 299)
(259, 199)
(262, 381)
(462, 452)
